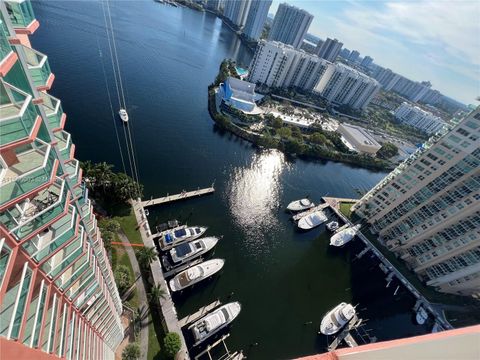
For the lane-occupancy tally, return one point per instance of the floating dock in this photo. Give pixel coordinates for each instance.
(345, 334)
(309, 211)
(198, 314)
(237, 355)
(183, 195)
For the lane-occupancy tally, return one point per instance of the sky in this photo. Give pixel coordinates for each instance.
(438, 41)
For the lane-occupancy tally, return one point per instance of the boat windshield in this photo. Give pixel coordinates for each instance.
(305, 202)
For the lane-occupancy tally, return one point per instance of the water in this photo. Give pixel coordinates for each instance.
(285, 280)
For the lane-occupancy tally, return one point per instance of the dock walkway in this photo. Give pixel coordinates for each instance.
(199, 313)
(176, 197)
(309, 211)
(438, 317)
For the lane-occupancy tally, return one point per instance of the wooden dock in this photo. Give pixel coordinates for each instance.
(183, 195)
(198, 314)
(309, 211)
(345, 334)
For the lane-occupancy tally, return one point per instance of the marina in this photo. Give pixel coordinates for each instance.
(267, 260)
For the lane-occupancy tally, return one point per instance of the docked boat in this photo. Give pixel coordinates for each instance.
(195, 274)
(214, 321)
(177, 236)
(188, 251)
(312, 220)
(344, 236)
(421, 315)
(123, 115)
(300, 205)
(337, 318)
(332, 226)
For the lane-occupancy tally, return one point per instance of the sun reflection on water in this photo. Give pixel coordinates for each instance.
(253, 194)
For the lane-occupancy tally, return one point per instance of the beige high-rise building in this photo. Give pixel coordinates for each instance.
(427, 210)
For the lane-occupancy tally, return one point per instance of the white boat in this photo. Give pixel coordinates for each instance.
(312, 220)
(337, 318)
(177, 236)
(299, 205)
(344, 236)
(188, 251)
(421, 316)
(332, 226)
(196, 274)
(214, 321)
(123, 115)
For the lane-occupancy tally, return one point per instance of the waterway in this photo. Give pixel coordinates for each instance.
(285, 280)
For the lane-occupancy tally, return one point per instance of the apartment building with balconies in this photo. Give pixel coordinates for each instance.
(58, 297)
(427, 211)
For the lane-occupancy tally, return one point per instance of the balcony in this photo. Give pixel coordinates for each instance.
(21, 14)
(53, 109)
(33, 166)
(31, 215)
(64, 143)
(37, 64)
(7, 55)
(52, 238)
(65, 257)
(17, 114)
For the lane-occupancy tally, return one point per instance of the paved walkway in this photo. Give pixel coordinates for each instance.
(142, 295)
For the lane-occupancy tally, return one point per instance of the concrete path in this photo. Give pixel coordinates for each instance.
(142, 295)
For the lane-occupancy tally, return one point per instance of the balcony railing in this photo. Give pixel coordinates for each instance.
(20, 12)
(5, 47)
(53, 109)
(37, 64)
(17, 114)
(64, 258)
(64, 143)
(53, 237)
(33, 169)
(30, 215)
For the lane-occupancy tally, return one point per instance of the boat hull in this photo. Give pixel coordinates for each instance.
(312, 220)
(330, 327)
(164, 245)
(208, 269)
(299, 206)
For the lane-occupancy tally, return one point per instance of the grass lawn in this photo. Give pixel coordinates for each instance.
(120, 257)
(129, 226)
(345, 208)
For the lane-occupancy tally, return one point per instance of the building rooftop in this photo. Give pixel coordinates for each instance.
(361, 135)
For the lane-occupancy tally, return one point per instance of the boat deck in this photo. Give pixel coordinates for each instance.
(309, 211)
(199, 313)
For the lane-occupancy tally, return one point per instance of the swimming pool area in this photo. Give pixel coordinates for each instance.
(241, 72)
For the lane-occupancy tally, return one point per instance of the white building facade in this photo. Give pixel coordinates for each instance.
(236, 11)
(419, 118)
(343, 85)
(427, 211)
(290, 25)
(256, 18)
(278, 65)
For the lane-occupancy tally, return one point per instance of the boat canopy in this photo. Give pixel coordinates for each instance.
(168, 238)
(180, 232)
(214, 321)
(194, 272)
(305, 202)
(183, 249)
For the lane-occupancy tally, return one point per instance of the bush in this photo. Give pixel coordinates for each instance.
(318, 138)
(387, 151)
(284, 132)
(172, 344)
(131, 352)
(122, 278)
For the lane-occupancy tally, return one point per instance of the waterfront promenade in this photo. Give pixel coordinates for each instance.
(439, 317)
(169, 313)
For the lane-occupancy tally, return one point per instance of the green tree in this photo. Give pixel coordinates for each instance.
(294, 146)
(122, 278)
(284, 132)
(318, 138)
(387, 151)
(296, 133)
(146, 256)
(131, 352)
(157, 292)
(172, 344)
(277, 123)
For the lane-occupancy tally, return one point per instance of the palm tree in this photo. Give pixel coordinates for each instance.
(157, 292)
(146, 256)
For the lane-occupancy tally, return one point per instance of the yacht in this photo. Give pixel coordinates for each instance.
(312, 220)
(344, 236)
(299, 205)
(195, 274)
(123, 115)
(337, 318)
(421, 316)
(332, 226)
(188, 251)
(214, 321)
(177, 236)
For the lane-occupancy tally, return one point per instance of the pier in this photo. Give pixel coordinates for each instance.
(387, 266)
(199, 313)
(183, 195)
(345, 334)
(309, 211)
(237, 355)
